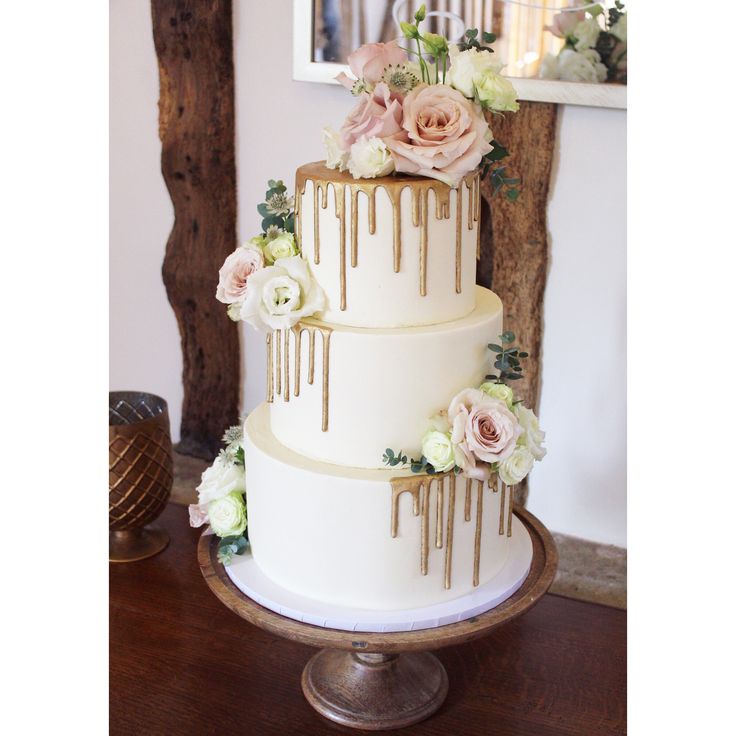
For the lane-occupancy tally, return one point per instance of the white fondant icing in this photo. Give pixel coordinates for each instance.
(384, 385)
(324, 531)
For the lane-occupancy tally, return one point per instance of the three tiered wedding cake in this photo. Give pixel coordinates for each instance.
(378, 338)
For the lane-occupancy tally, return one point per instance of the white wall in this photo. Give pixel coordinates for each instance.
(144, 339)
(580, 487)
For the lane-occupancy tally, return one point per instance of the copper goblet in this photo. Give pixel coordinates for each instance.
(141, 473)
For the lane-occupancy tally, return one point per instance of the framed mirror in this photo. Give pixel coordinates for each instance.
(326, 31)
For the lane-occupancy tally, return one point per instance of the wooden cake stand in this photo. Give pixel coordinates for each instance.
(377, 681)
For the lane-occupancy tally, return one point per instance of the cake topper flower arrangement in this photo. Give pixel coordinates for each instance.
(484, 430)
(221, 498)
(265, 281)
(595, 45)
(423, 117)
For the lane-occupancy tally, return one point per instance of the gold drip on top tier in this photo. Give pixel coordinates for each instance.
(323, 178)
(419, 487)
(279, 369)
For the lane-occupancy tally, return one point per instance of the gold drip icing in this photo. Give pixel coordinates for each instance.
(478, 529)
(440, 504)
(511, 511)
(468, 491)
(503, 502)
(322, 178)
(420, 489)
(282, 368)
(449, 535)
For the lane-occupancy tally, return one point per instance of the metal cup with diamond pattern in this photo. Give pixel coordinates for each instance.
(141, 473)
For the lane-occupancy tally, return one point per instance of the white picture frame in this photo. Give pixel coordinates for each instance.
(535, 90)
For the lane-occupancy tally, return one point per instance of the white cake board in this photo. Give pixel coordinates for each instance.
(249, 579)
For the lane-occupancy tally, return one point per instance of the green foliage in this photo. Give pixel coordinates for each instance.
(470, 40)
(392, 459)
(499, 180)
(421, 14)
(508, 359)
(283, 220)
(230, 546)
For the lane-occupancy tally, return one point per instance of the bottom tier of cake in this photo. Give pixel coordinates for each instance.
(378, 540)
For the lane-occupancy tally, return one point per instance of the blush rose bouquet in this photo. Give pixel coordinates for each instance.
(423, 116)
(484, 431)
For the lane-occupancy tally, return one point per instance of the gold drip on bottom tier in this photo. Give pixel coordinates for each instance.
(278, 370)
(323, 178)
(420, 489)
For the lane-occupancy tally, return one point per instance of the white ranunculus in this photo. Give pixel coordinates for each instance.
(336, 156)
(549, 68)
(499, 391)
(370, 158)
(586, 32)
(227, 515)
(496, 93)
(515, 468)
(282, 295)
(532, 436)
(576, 67)
(469, 68)
(282, 246)
(439, 451)
(618, 29)
(220, 479)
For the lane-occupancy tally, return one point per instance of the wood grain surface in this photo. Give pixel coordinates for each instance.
(182, 663)
(194, 45)
(514, 243)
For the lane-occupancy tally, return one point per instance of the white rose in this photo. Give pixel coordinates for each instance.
(496, 93)
(282, 295)
(549, 68)
(227, 515)
(619, 28)
(515, 468)
(370, 158)
(282, 246)
(575, 67)
(438, 450)
(532, 436)
(469, 68)
(499, 391)
(336, 157)
(220, 479)
(586, 32)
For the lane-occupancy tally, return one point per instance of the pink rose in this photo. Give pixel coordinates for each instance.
(563, 24)
(234, 273)
(375, 114)
(444, 134)
(198, 515)
(483, 428)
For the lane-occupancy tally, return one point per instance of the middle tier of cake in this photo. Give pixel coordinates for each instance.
(343, 395)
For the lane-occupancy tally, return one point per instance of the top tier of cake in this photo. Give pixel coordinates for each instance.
(395, 251)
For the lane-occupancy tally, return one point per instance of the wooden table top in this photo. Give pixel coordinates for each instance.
(183, 664)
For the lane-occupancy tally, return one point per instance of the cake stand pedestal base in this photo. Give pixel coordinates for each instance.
(380, 681)
(372, 691)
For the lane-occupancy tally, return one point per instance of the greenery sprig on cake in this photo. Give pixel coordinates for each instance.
(484, 430)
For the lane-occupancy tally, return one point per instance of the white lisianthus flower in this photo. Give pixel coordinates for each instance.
(439, 451)
(532, 436)
(580, 67)
(586, 33)
(282, 295)
(618, 29)
(220, 479)
(336, 156)
(499, 391)
(227, 515)
(549, 68)
(515, 468)
(496, 93)
(469, 68)
(370, 158)
(282, 246)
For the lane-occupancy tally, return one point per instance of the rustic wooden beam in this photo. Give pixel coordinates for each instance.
(514, 243)
(194, 45)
